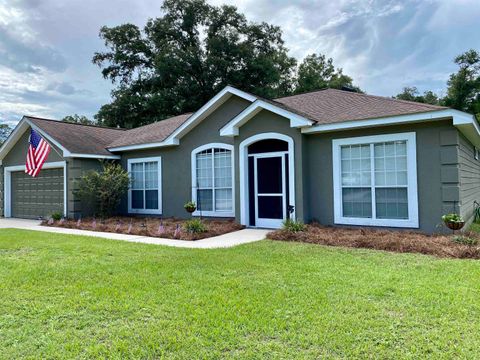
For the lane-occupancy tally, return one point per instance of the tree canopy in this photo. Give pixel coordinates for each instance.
(317, 72)
(178, 61)
(78, 119)
(463, 87)
(412, 94)
(5, 131)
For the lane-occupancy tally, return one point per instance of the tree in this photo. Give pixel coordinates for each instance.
(104, 190)
(317, 72)
(412, 94)
(78, 119)
(179, 61)
(464, 86)
(5, 131)
(182, 59)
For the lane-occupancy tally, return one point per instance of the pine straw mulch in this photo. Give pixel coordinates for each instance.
(396, 241)
(149, 227)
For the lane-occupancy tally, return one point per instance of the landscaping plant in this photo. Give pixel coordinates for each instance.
(292, 225)
(195, 226)
(453, 217)
(465, 240)
(56, 215)
(190, 206)
(103, 190)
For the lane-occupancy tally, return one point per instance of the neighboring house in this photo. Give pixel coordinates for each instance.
(331, 156)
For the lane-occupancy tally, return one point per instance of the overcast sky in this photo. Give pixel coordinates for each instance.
(46, 46)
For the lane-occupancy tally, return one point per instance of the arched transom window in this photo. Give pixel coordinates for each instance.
(212, 180)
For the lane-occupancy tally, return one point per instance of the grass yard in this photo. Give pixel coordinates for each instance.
(79, 297)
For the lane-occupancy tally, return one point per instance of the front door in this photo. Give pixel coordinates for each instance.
(270, 190)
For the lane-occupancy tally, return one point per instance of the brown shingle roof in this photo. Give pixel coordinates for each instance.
(77, 138)
(150, 133)
(323, 107)
(333, 106)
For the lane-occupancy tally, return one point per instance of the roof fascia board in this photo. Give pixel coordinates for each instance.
(174, 138)
(390, 120)
(466, 123)
(66, 152)
(16, 134)
(145, 146)
(232, 128)
(206, 110)
(23, 125)
(94, 156)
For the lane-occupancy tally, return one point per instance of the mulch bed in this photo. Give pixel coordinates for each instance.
(150, 227)
(396, 241)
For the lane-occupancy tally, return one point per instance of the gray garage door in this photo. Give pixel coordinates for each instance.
(35, 197)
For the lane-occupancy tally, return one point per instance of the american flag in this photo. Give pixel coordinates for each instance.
(38, 151)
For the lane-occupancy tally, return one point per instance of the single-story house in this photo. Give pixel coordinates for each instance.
(331, 156)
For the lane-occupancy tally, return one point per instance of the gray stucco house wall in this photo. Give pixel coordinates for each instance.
(176, 161)
(443, 164)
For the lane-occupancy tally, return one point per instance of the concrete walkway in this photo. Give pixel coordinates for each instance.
(223, 241)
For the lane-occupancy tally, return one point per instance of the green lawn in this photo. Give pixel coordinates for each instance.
(80, 297)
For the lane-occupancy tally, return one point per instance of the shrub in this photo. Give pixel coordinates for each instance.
(57, 215)
(293, 225)
(465, 240)
(104, 190)
(195, 226)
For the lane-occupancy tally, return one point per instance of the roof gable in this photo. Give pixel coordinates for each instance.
(74, 140)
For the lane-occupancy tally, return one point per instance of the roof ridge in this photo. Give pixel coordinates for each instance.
(425, 105)
(159, 121)
(78, 124)
(429, 106)
(303, 93)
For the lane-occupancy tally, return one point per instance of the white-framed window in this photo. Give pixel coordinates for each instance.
(375, 180)
(213, 180)
(145, 192)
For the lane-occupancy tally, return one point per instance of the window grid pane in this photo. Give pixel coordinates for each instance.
(145, 185)
(390, 183)
(214, 180)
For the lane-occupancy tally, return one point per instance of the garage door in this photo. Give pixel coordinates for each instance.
(35, 197)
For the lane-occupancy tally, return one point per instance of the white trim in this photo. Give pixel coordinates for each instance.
(193, 120)
(465, 122)
(232, 127)
(66, 152)
(194, 179)
(158, 211)
(412, 221)
(243, 160)
(93, 156)
(23, 126)
(267, 222)
(7, 180)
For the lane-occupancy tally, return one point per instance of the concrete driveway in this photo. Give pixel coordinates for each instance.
(223, 241)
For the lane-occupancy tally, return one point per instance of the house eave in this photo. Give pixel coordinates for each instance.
(232, 128)
(464, 122)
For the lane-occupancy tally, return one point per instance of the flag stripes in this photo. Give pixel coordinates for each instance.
(37, 154)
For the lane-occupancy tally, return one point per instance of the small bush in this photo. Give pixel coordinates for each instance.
(293, 225)
(103, 190)
(57, 215)
(465, 240)
(195, 226)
